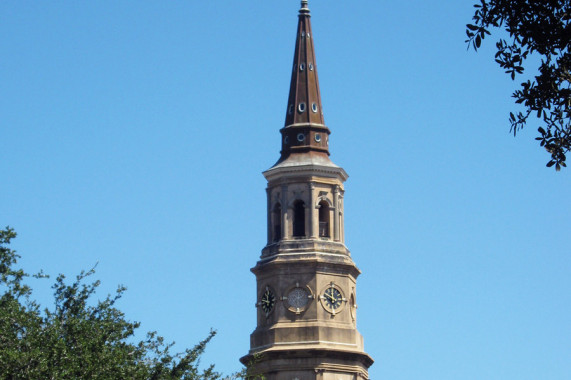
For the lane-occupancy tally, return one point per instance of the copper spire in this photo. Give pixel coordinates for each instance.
(304, 125)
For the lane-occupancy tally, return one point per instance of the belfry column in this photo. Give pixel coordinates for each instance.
(285, 213)
(312, 210)
(269, 202)
(336, 214)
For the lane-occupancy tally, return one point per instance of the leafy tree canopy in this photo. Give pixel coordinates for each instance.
(79, 338)
(535, 27)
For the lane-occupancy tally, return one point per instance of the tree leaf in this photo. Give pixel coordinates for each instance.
(539, 27)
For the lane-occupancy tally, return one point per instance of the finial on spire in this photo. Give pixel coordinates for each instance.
(304, 8)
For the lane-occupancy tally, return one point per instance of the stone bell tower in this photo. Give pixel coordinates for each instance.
(306, 279)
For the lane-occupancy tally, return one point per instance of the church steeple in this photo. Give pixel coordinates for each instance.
(304, 129)
(306, 281)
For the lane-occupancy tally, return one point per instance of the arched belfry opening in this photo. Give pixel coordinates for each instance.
(277, 222)
(298, 218)
(324, 225)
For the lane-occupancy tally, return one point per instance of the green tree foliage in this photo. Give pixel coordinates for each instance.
(541, 28)
(79, 338)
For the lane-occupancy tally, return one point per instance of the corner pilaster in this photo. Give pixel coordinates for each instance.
(336, 219)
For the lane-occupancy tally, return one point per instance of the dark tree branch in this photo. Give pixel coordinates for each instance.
(540, 27)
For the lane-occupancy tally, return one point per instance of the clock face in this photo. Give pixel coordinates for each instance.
(333, 298)
(353, 307)
(298, 298)
(268, 301)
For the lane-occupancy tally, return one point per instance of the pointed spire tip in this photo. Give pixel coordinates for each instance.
(304, 7)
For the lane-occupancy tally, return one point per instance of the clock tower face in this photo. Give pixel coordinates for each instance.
(297, 298)
(268, 301)
(332, 299)
(353, 305)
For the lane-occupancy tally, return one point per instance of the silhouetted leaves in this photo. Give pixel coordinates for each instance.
(80, 338)
(541, 28)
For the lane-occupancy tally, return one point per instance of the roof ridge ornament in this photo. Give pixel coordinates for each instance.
(304, 7)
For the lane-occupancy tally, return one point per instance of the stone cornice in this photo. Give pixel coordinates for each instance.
(306, 170)
(343, 356)
(315, 260)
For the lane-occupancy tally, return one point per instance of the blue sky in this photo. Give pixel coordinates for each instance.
(134, 134)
